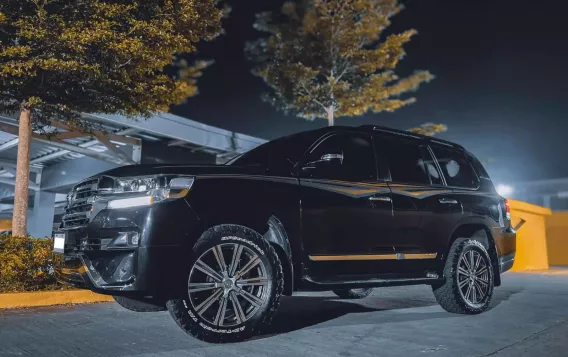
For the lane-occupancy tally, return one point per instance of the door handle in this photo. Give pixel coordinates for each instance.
(448, 201)
(380, 198)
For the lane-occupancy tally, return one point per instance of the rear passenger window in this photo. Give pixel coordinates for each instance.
(456, 168)
(405, 161)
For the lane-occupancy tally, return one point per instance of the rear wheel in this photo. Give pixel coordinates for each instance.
(469, 284)
(353, 293)
(233, 288)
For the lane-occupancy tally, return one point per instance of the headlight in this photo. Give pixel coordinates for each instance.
(136, 184)
(144, 191)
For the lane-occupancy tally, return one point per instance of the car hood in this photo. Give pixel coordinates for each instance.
(140, 170)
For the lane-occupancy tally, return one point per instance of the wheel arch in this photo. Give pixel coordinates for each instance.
(273, 231)
(478, 231)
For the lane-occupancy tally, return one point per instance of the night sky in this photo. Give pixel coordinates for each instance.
(501, 82)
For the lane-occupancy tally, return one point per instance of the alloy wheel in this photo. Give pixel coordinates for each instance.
(473, 277)
(228, 284)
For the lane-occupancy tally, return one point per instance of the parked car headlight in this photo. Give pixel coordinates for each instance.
(137, 184)
(144, 191)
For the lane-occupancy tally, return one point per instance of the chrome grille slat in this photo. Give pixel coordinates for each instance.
(78, 205)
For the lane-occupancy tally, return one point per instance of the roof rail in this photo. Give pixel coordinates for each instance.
(411, 135)
(391, 131)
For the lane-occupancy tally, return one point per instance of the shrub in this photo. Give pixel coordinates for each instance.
(27, 264)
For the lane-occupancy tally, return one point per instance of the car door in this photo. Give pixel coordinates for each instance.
(460, 177)
(424, 207)
(346, 211)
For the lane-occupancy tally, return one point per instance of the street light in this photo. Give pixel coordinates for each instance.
(504, 190)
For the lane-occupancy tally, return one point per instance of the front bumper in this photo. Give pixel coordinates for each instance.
(150, 268)
(143, 271)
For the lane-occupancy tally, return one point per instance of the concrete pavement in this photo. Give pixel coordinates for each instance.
(529, 317)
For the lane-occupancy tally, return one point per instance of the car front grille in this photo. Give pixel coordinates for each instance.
(79, 204)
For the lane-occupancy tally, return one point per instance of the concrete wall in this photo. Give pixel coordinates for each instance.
(532, 253)
(557, 238)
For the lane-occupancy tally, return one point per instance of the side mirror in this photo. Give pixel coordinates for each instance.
(331, 157)
(327, 158)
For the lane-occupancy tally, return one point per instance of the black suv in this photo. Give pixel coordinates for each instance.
(340, 208)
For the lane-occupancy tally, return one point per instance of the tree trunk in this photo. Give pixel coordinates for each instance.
(330, 112)
(20, 217)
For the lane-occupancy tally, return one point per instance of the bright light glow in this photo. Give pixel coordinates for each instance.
(130, 202)
(504, 190)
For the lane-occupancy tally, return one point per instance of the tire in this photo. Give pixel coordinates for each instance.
(265, 279)
(457, 293)
(353, 293)
(140, 305)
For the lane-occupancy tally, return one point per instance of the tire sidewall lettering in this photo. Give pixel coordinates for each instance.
(243, 240)
(235, 330)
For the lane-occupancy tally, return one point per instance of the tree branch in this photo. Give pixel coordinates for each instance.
(126, 63)
(311, 95)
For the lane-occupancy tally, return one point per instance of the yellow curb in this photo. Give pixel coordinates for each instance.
(544, 272)
(47, 298)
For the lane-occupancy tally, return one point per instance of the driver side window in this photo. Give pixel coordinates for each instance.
(345, 156)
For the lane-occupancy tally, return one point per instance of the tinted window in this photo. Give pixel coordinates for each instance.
(342, 157)
(431, 168)
(278, 156)
(405, 161)
(478, 167)
(456, 168)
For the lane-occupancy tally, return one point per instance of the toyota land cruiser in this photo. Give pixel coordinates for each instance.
(340, 208)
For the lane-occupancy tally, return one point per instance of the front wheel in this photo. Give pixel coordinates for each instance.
(234, 286)
(468, 288)
(353, 293)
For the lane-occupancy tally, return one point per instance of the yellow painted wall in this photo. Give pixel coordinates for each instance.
(532, 251)
(557, 238)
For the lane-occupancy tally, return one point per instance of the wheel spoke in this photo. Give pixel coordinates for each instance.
(473, 294)
(239, 314)
(201, 266)
(463, 283)
(483, 281)
(195, 287)
(251, 264)
(220, 317)
(210, 300)
(468, 293)
(462, 271)
(481, 271)
(477, 261)
(218, 252)
(250, 297)
(259, 281)
(237, 250)
(481, 291)
(465, 262)
(471, 258)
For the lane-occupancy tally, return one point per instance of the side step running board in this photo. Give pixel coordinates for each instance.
(317, 284)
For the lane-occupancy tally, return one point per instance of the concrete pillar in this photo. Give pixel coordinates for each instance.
(40, 217)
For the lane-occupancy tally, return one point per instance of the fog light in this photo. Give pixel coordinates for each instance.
(130, 202)
(125, 240)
